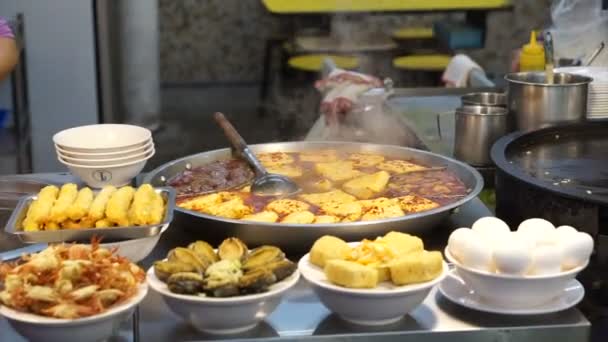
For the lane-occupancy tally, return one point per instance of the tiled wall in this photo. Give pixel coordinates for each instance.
(223, 40)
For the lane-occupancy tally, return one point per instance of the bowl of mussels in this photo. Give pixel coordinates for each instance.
(225, 290)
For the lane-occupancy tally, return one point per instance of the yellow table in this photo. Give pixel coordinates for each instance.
(434, 62)
(333, 6)
(314, 62)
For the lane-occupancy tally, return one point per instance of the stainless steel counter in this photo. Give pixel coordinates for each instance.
(302, 317)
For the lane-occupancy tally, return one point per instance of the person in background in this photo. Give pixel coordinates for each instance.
(9, 54)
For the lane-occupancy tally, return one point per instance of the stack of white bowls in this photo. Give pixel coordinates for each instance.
(105, 154)
(597, 98)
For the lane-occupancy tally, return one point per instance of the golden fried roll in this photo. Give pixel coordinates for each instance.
(117, 210)
(98, 207)
(140, 213)
(81, 205)
(71, 224)
(67, 196)
(158, 209)
(40, 209)
(103, 223)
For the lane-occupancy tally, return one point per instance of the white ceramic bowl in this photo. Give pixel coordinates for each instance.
(102, 138)
(223, 315)
(385, 304)
(95, 328)
(105, 155)
(136, 250)
(514, 291)
(98, 177)
(109, 161)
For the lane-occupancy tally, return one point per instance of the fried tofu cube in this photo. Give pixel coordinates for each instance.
(383, 212)
(384, 271)
(300, 217)
(287, 206)
(291, 171)
(323, 185)
(201, 203)
(414, 204)
(351, 274)
(416, 268)
(348, 212)
(323, 156)
(273, 159)
(365, 160)
(337, 171)
(329, 198)
(234, 209)
(403, 244)
(376, 202)
(367, 186)
(262, 216)
(326, 219)
(399, 166)
(328, 248)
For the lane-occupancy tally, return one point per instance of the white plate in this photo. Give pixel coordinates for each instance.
(455, 289)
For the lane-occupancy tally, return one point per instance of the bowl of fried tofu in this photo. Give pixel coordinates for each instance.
(372, 282)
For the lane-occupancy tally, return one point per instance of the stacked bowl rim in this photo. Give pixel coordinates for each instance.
(133, 157)
(104, 155)
(102, 138)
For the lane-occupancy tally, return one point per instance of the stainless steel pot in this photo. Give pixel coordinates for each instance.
(484, 99)
(477, 128)
(299, 237)
(534, 104)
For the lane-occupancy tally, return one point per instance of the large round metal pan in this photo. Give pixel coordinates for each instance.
(299, 237)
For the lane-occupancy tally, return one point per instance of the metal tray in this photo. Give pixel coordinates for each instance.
(71, 235)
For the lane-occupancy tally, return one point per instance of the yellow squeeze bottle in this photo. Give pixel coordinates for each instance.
(532, 56)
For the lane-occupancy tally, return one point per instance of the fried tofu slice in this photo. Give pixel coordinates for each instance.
(65, 199)
(351, 274)
(81, 205)
(416, 268)
(97, 211)
(323, 185)
(403, 244)
(287, 206)
(329, 198)
(40, 209)
(234, 209)
(291, 171)
(367, 186)
(384, 271)
(365, 160)
(328, 248)
(326, 219)
(377, 202)
(263, 216)
(300, 217)
(337, 171)
(201, 203)
(379, 212)
(322, 156)
(414, 204)
(246, 189)
(347, 212)
(399, 166)
(273, 159)
(117, 210)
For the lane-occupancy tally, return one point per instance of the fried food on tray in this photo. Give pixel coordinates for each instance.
(111, 207)
(81, 205)
(399, 166)
(337, 186)
(40, 209)
(396, 257)
(300, 217)
(367, 186)
(117, 210)
(67, 196)
(57, 282)
(98, 207)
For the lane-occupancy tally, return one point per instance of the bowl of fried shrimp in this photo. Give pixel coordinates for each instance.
(70, 292)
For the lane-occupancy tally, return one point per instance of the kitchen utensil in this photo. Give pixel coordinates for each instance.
(476, 129)
(264, 184)
(514, 291)
(457, 291)
(484, 99)
(85, 234)
(594, 55)
(299, 237)
(534, 104)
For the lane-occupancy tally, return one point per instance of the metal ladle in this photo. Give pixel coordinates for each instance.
(264, 183)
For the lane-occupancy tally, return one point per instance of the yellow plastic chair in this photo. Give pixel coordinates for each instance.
(314, 62)
(432, 62)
